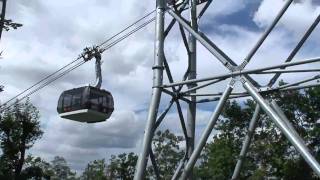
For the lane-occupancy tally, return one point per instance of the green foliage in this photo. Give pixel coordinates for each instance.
(95, 170)
(37, 168)
(270, 154)
(122, 166)
(165, 147)
(61, 169)
(19, 129)
(220, 156)
(6, 170)
(219, 159)
(167, 152)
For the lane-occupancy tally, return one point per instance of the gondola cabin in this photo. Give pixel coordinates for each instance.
(86, 104)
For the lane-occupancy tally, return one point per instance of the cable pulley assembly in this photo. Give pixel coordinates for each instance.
(90, 52)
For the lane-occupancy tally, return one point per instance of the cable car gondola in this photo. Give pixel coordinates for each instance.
(88, 104)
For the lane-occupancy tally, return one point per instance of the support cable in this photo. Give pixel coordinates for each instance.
(128, 27)
(127, 35)
(4, 107)
(50, 78)
(37, 83)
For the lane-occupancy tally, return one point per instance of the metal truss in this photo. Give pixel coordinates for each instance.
(236, 73)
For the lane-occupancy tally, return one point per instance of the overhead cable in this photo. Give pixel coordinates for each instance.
(51, 78)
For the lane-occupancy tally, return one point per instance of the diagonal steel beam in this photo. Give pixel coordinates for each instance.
(246, 143)
(291, 88)
(288, 71)
(202, 86)
(284, 118)
(182, 121)
(226, 62)
(266, 34)
(154, 163)
(209, 45)
(296, 49)
(205, 135)
(304, 151)
(204, 9)
(244, 72)
(163, 114)
(173, 21)
(178, 170)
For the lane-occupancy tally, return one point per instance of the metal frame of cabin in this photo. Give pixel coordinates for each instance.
(235, 73)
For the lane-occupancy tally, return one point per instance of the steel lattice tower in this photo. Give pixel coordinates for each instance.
(235, 73)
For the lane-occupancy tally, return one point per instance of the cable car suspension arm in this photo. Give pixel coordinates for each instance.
(87, 55)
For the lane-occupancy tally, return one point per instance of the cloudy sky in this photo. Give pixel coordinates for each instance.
(55, 32)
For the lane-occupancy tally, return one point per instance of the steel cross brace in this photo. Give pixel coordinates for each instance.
(241, 95)
(245, 72)
(228, 63)
(205, 135)
(247, 81)
(273, 104)
(283, 126)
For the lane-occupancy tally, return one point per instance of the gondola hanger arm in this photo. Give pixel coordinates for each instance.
(90, 53)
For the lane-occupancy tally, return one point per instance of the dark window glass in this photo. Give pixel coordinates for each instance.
(101, 100)
(67, 100)
(105, 104)
(110, 101)
(60, 102)
(94, 99)
(60, 108)
(76, 100)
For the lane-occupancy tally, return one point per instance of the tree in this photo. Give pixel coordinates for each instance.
(19, 129)
(270, 153)
(122, 166)
(216, 163)
(219, 156)
(36, 168)
(95, 170)
(166, 150)
(61, 169)
(168, 153)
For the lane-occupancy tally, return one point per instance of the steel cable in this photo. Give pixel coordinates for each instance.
(63, 73)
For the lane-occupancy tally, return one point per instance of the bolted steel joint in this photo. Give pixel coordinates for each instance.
(232, 82)
(243, 80)
(242, 65)
(176, 96)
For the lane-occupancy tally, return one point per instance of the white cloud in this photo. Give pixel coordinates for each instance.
(227, 7)
(84, 142)
(55, 32)
(298, 16)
